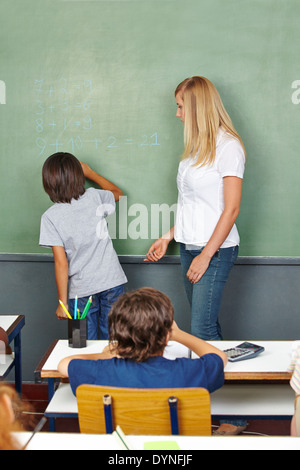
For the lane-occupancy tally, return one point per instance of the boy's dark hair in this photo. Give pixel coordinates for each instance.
(63, 177)
(139, 321)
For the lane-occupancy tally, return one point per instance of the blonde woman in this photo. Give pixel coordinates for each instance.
(209, 182)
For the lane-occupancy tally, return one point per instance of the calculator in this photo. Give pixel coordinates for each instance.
(243, 351)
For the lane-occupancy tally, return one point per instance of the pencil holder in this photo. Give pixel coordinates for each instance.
(77, 332)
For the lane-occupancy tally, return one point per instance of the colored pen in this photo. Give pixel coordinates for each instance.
(123, 438)
(68, 315)
(36, 430)
(75, 308)
(86, 308)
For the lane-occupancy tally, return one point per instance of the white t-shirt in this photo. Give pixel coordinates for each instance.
(80, 227)
(200, 193)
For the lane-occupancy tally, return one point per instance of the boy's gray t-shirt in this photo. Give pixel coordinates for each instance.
(80, 227)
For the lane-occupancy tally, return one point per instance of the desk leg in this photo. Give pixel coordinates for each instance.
(51, 383)
(18, 363)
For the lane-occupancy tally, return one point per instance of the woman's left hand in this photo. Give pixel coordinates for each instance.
(198, 267)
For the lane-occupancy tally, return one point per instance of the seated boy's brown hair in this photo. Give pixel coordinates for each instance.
(139, 322)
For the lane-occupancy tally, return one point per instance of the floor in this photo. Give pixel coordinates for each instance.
(37, 397)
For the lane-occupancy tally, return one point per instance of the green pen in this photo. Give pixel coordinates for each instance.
(86, 308)
(78, 314)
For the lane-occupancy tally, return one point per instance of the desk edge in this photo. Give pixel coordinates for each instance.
(38, 370)
(258, 376)
(19, 321)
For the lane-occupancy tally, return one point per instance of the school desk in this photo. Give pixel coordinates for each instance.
(107, 442)
(47, 368)
(59, 349)
(256, 388)
(13, 325)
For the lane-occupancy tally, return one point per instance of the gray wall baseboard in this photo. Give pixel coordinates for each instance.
(261, 299)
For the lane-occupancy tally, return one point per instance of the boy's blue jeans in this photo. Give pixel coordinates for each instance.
(97, 316)
(205, 296)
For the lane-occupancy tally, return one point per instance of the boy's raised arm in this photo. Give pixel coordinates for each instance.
(101, 181)
(197, 345)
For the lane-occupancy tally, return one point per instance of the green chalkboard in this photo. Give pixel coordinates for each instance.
(97, 77)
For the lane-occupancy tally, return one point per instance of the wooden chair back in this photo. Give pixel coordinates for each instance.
(144, 411)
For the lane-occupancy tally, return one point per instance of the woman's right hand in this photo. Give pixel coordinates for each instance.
(157, 250)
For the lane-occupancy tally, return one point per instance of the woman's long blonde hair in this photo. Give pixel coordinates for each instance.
(204, 115)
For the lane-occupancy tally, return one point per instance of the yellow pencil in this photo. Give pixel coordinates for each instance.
(69, 316)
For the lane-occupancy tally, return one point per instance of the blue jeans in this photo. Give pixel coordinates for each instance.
(205, 296)
(97, 316)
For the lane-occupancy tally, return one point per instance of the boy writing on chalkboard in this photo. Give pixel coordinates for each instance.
(76, 230)
(141, 323)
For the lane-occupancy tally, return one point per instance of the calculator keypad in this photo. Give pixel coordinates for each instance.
(236, 352)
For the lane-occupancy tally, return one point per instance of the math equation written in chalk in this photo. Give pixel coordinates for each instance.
(63, 120)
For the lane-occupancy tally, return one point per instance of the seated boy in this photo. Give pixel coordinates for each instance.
(140, 325)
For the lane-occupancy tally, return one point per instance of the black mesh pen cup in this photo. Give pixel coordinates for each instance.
(77, 333)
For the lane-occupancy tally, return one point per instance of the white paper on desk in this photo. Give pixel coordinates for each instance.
(174, 350)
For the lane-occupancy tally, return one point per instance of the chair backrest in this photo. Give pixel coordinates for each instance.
(144, 411)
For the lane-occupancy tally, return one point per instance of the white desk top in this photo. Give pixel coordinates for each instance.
(235, 399)
(7, 320)
(6, 361)
(60, 441)
(62, 350)
(275, 359)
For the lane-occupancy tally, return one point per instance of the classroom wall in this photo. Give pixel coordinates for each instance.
(261, 300)
(97, 78)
